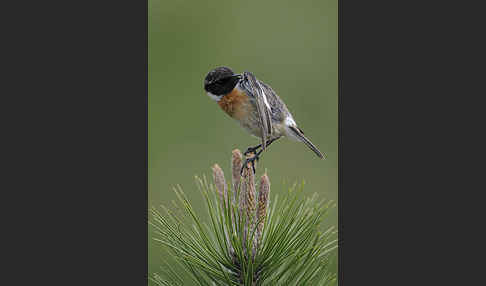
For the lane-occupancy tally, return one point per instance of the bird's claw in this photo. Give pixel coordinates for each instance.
(251, 150)
(251, 160)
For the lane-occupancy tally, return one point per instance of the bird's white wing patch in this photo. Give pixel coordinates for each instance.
(262, 106)
(289, 121)
(265, 98)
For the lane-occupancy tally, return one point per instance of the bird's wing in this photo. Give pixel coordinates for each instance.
(263, 107)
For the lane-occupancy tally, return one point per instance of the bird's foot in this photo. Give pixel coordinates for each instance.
(252, 150)
(250, 160)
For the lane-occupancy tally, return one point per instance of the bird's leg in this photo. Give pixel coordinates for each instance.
(256, 155)
(253, 149)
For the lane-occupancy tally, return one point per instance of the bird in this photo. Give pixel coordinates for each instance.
(256, 106)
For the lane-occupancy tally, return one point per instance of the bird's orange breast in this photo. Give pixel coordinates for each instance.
(235, 104)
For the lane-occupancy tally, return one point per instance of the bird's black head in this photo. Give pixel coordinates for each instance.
(220, 81)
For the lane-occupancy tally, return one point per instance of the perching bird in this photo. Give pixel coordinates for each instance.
(255, 106)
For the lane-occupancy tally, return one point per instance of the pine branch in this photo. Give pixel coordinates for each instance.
(246, 241)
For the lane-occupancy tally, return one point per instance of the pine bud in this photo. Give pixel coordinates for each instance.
(263, 195)
(236, 172)
(220, 182)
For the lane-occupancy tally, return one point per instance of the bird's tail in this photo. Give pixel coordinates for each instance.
(299, 135)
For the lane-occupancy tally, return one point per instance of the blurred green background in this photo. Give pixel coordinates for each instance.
(291, 45)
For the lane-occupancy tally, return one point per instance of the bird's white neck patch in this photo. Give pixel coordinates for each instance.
(214, 96)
